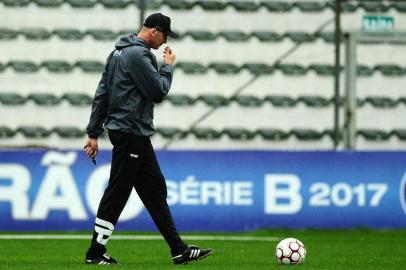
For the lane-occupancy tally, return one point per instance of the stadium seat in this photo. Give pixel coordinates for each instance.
(373, 134)
(206, 133)
(180, 100)
(266, 36)
(234, 36)
(310, 6)
(280, 100)
(211, 5)
(213, 100)
(258, 68)
(299, 36)
(33, 131)
(11, 99)
(44, 99)
(314, 101)
(69, 34)
(377, 6)
(244, 6)
(77, 99)
(345, 6)
(16, 3)
(272, 134)
(35, 33)
(326, 36)
(247, 101)
(81, 3)
(364, 71)
(48, 3)
(399, 133)
(170, 132)
(201, 35)
(90, 66)
(238, 133)
(6, 132)
(191, 67)
(401, 100)
(23, 66)
(292, 69)
(399, 6)
(304, 134)
(2, 67)
(381, 102)
(179, 4)
(115, 3)
(322, 69)
(277, 6)
(57, 66)
(69, 132)
(102, 34)
(224, 68)
(7, 34)
(390, 70)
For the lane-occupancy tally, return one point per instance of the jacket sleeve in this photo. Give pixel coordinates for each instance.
(154, 85)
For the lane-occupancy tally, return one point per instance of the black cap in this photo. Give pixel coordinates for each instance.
(160, 22)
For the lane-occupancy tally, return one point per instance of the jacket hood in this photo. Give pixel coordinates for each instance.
(130, 40)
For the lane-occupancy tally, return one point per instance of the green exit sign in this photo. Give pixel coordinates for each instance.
(378, 23)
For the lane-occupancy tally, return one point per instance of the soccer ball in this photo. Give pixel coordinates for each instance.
(290, 251)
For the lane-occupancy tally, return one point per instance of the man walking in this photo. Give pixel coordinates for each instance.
(130, 85)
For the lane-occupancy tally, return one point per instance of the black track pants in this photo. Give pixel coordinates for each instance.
(134, 164)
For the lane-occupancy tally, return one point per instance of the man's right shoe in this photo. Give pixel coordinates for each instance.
(102, 260)
(192, 253)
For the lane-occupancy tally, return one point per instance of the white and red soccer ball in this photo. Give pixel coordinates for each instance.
(290, 251)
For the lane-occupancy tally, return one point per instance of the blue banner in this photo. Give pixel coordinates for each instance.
(211, 190)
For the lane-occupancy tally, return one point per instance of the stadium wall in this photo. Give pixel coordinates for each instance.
(44, 190)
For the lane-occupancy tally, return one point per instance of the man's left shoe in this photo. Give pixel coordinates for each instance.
(192, 253)
(102, 260)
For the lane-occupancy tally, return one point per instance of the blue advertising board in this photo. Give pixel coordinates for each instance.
(211, 190)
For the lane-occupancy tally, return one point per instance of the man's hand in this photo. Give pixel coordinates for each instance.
(169, 56)
(91, 148)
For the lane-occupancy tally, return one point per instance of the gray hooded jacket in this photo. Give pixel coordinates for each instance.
(130, 85)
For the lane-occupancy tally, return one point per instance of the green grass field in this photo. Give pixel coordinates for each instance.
(326, 249)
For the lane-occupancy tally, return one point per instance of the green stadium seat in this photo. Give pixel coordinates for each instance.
(69, 132)
(201, 35)
(206, 133)
(399, 6)
(326, 36)
(90, 66)
(224, 68)
(49, 3)
(115, 3)
(277, 6)
(310, 6)
(377, 6)
(16, 3)
(23, 66)
(390, 70)
(305, 134)
(299, 36)
(11, 99)
(345, 6)
(44, 99)
(33, 131)
(57, 66)
(265, 36)
(213, 100)
(280, 100)
(36, 33)
(170, 132)
(81, 3)
(179, 4)
(399, 133)
(402, 100)
(241, 134)
(69, 34)
(272, 134)
(234, 36)
(102, 34)
(322, 69)
(331, 133)
(211, 5)
(77, 99)
(258, 68)
(180, 100)
(7, 34)
(373, 134)
(292, 69)
(191, 67)
(2, 67)
(381, 102)
(247, 101)
(244, 6)
(6, 132)
(314, 101)
(364, 71)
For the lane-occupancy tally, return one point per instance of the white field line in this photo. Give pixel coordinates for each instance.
(136, 237)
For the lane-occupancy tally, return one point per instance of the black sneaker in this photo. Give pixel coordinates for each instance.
(192, 253)
(102, 260)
